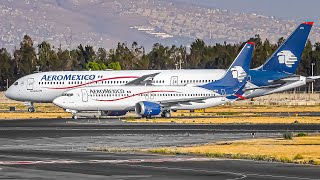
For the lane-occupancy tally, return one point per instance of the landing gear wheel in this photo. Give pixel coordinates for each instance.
(31, 109)
(167, 114)
(74, 117)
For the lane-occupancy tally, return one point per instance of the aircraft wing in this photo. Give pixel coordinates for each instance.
(280, 82)
(313, 78)
(143, 80)
(186, 101)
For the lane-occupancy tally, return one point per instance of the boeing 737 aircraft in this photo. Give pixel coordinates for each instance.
(155, 100)
(277, 74)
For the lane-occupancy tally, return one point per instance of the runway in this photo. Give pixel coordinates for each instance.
(58, 149)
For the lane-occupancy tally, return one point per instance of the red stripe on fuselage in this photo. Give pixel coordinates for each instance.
(133, 95)
(241, 97)
(79, 85)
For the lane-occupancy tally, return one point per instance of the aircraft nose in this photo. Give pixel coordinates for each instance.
(9, 94)
(58, 102)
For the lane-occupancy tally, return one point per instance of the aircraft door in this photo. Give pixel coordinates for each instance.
(149, 96)
(174, 80)
(30, 84)
(84, 95)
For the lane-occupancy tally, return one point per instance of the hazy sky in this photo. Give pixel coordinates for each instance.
(301, 10)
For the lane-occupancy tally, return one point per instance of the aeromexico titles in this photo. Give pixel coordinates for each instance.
(275, 75)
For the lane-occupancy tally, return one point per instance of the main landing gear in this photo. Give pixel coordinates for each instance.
(31, 108)
(166, 113)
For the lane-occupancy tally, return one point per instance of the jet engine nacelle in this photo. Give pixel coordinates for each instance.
(146, 108)
(114, 113)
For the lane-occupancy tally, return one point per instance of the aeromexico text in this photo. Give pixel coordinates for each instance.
(67, 77)
(106, 91)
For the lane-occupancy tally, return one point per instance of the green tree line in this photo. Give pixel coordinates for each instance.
(25, 59)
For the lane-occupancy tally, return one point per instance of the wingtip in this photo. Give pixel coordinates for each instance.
(250, 42)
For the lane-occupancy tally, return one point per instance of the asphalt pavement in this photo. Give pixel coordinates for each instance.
(59, 149)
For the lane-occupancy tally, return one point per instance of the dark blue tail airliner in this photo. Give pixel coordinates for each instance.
(237, 74)
(285, 60)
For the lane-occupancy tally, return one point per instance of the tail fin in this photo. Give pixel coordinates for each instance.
(236, 75)
(287, 57)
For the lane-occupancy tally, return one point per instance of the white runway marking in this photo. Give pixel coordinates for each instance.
(104, 161)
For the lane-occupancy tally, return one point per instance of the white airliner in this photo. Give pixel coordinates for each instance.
(275, 75)
(154, 100)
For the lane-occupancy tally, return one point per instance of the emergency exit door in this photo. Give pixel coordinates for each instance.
(84, 95)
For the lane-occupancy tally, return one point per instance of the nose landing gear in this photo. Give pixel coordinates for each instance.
(73, 112)
(31, 108)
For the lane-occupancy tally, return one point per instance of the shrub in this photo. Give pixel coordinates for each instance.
(301, 134)
(160, 151)
(298, 156)
(285, 160)
(287, 135)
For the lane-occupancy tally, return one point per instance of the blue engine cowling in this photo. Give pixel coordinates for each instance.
(146, 108)
(114, 113)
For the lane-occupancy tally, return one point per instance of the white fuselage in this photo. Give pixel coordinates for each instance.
(46, 86)
(124, 98)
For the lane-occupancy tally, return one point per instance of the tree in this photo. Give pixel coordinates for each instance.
(6, 68)
(48, 59)
(96, 66)
(196, 53)
(25, 58)
(114, 66)
(159, 57)
(85, 55)
(304, 67)
(102, 56)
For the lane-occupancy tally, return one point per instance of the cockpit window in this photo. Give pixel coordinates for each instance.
(16, 83)
(67, 94)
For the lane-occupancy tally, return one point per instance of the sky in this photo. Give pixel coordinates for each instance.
(299, 10)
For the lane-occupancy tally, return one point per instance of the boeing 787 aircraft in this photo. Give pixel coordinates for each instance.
(275, 75)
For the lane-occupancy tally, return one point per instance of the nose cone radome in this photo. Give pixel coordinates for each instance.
(10, 94)
(58, 102)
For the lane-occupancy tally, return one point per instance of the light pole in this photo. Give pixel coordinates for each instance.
(312, 64)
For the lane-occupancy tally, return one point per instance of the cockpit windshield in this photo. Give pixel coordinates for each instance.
(67, 94)
(16, 83)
